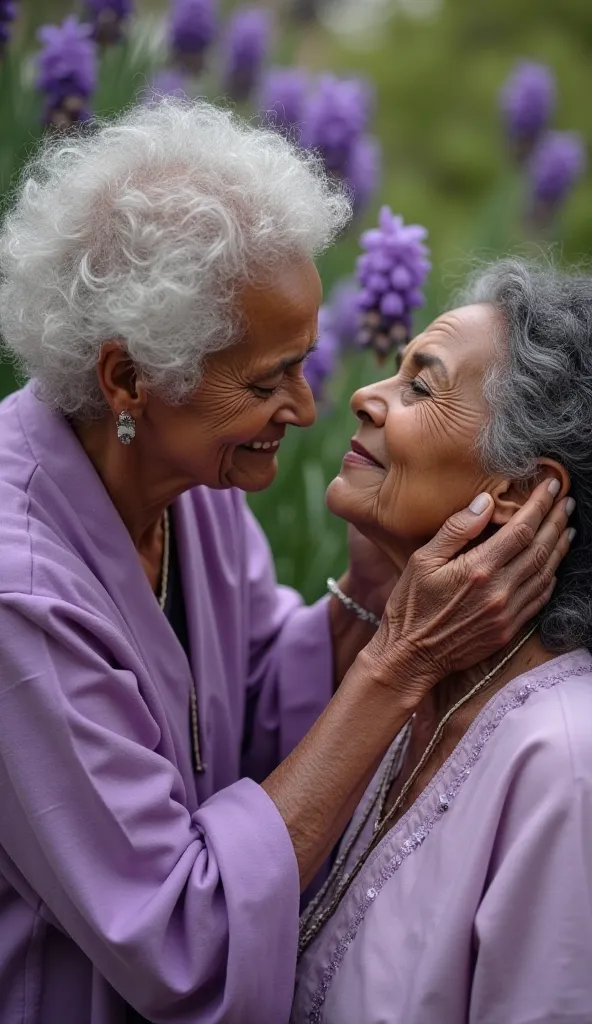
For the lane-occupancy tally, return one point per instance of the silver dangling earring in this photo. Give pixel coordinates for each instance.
(126, 428)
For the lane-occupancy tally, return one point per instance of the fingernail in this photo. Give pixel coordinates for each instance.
(480, 503)
(570, 505)
(571, 534)
(554, 486)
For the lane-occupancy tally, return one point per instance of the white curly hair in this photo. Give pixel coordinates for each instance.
(143, 230)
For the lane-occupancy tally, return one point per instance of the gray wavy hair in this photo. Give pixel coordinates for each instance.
(144, 230)
(539, 392)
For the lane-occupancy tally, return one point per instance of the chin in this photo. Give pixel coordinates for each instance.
(340, 499)
(252, 484)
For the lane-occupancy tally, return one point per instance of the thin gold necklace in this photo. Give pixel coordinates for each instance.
(313, 919)
(198, 764)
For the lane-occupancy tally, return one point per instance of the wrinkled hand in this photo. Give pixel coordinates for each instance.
(448, 613)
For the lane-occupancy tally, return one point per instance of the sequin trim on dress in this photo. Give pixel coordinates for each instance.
(422, 832)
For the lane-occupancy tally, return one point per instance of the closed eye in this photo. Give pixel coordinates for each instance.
(419, 387)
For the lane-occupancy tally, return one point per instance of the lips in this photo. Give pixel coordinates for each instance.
(358, 449)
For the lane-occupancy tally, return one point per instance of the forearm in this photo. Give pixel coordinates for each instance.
(317, 788)
(349, 634)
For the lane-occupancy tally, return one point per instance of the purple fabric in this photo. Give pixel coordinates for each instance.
(477, 906)
(123, 875)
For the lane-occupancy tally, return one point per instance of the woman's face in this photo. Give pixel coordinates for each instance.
(228, 433)
(420, 428)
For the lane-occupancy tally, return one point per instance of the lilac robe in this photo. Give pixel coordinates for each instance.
(477, 907)
(124, 876)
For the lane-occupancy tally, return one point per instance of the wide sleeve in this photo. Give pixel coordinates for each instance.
(533, 929)
(290, 674)
(188, 916)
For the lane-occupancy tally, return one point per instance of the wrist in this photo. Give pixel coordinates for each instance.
(397, 668)
(363, 593)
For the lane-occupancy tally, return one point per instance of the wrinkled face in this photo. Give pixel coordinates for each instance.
(420, 428)
(229, 433)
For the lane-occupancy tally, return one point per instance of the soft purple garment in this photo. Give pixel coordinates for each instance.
(477, 907)
(123, 875)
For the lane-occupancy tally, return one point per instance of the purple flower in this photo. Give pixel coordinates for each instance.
(282, 98)
(335, 118)
(8, 11)
(193, 28)
(557, 162)
(364, 171)
(107, 18)
(67, 70)
(391, 271)
(245, 48)
(341, 315)
(527, 101)
(167, 82)
(320, 364)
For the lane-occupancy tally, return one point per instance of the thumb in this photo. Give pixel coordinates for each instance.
(459, 529)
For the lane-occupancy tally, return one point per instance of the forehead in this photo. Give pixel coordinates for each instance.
(464, 338)
(289, 303)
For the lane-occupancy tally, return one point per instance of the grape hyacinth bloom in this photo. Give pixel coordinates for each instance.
(282, 98)
(67, 71)
(167, 82)
(527, 101)
(7, 14)
(364, 171)
(108, 18)
(336, 117)
(245, 48)
(391, 271)
(556, 164)
(193, 28)
(341, 314)
(320, 364)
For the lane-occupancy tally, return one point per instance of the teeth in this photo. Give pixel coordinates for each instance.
(265, 445)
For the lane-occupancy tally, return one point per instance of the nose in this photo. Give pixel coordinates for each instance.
(300, 410)
(370, 405)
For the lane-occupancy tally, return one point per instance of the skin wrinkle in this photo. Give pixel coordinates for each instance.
(427, 444)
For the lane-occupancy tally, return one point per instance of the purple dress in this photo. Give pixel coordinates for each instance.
(477, 907)
(126, 878)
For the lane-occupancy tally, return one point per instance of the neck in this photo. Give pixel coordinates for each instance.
(458, 684)
(130, 480)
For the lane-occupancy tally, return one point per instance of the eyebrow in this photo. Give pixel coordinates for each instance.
(285, 364)
(425, 360)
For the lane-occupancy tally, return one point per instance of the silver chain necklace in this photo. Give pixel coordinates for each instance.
(198, 764)
(313, 919)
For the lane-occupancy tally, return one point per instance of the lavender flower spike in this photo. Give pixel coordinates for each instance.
(364, 171)
(193, 28)
(320, 364)
(67, 71)
(166, 82)
(555, 166)
(391, 271)
(282, 98)
(108, 18)
(246, 45)
(8, 11)
(336, 117)
(527, 101)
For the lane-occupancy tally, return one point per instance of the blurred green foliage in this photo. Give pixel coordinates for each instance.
(437, 77)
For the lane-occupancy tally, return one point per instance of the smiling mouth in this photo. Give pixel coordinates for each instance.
(360, 457)
(262, 447)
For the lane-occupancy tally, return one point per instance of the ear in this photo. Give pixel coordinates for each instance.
(510, 495)
(117, 380)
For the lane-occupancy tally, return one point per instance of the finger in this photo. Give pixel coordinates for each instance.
(529, 611)
(539, 582)
(520, 531)
(549, 547)
(458, 530)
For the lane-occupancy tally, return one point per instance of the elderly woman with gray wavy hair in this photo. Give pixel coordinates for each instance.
(183, 742)
(461, 889)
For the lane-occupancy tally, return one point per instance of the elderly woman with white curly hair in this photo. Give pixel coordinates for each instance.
(183, 742)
